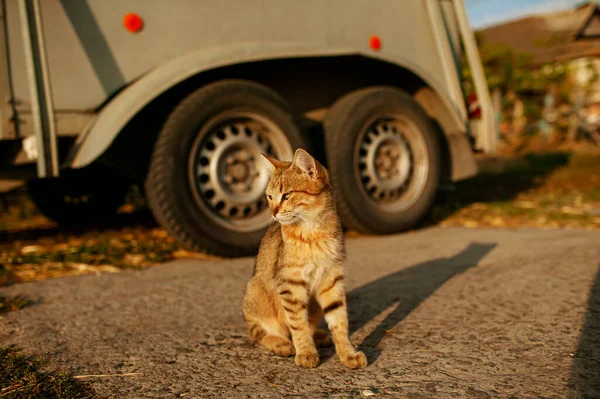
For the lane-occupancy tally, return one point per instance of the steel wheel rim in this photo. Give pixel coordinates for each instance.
(391, 162)
(226, 172)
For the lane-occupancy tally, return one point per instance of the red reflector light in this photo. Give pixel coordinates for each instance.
(133, 22)
(375, 43)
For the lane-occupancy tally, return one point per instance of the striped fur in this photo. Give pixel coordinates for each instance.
(299, 274)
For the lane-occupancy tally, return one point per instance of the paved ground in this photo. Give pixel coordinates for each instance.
(441, 313)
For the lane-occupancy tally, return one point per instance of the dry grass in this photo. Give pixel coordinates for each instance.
(10, 304)
(544, 190)
(23, 377)
(34, 248)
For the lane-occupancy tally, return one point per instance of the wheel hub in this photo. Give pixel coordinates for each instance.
(385, 161)
(227, 174)
(238, 172)
(241, 171)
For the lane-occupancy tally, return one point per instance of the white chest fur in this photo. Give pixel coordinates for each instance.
(313, 274)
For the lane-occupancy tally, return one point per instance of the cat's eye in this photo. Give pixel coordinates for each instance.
(286, 196)
(270, 196)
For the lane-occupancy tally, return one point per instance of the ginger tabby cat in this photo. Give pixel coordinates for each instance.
(298, 277)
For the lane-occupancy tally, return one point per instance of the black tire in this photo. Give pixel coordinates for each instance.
(80, 197)
(183, 210)
(347, 121)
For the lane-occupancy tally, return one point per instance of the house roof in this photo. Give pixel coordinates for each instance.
(551, 37)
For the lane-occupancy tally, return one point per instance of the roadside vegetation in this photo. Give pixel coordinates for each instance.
(557, 189)
(543, 188)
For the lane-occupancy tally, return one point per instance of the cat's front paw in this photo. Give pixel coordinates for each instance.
(308, 360)
(284, 349)
(354, 360)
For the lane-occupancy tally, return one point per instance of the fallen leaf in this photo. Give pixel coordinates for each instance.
(572, 211)
(127, 208)
(183, 254)
(60, 247)
(108, 269)
(134, 259)
(269, 378)
(367, 392)
(160, 233)
(498, 222)
(526, 204)
(33, 249)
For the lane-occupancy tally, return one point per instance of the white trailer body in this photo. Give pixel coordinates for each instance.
(92, 87)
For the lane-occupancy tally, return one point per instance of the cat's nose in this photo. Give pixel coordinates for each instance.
(274, 211)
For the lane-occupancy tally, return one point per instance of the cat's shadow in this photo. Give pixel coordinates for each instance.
(407, 288)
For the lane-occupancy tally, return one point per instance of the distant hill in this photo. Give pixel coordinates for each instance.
(551, 37)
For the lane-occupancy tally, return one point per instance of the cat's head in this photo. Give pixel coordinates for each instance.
(297, 191)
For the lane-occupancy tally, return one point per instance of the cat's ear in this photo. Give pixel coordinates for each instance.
(306, 163)
(272, 163)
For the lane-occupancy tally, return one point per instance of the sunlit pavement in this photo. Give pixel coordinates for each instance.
(442, 312)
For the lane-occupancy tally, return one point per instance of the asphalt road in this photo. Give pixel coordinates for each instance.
(440, 313)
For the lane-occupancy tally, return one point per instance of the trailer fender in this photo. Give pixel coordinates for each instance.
(115, 115)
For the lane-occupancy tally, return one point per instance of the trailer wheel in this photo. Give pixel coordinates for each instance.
(383, 154)
(206, 180)
(79, 196)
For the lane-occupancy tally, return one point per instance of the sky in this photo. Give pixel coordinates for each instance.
(489, 12)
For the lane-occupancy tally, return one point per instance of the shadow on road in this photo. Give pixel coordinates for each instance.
(407, 289)
(585, 373)
(141, 219)
(29, 225)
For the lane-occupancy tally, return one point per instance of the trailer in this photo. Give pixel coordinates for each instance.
(183, 96)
